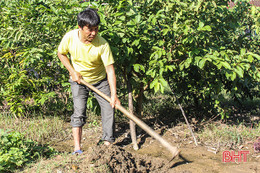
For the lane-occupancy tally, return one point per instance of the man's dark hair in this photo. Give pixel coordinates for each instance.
(88, 17)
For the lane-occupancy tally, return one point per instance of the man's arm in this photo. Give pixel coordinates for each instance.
(76, 76)
(112, 83)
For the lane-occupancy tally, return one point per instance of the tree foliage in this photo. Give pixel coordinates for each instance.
(200, 48)
(31, 77)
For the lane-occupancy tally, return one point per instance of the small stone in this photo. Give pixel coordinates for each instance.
(74, 167)
(91, 165)
(240, 147)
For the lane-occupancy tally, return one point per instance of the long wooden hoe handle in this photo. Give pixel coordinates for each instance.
(150, 131)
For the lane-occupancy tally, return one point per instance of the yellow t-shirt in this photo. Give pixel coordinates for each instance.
(88, 59)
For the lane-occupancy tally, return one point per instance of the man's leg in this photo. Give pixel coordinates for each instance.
(107, 112)
(78, 118)
(77, 133)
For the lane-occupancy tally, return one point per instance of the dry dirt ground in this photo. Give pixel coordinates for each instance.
(151, 157)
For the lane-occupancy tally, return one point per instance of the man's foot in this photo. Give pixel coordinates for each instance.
(102, 142)
(107, 143)
(78, 152)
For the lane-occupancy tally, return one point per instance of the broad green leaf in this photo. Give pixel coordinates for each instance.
(181, 66)
(206, 28)
(242, 52)
(136, 42)
(188, 62)
(233, 76)
(163, 82)
(225, 64)
(202, 63)
(138, 18)
(53, 9)
(165, 31)
(254, 55)
(138, 67)
(156, 87)
(170, 67)
(130, 2)
(153, 83)
(219, 65)
(239, 71)
(201, 24)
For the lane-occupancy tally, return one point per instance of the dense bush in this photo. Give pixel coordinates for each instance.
(15, 151)
(31, 76)
(203, 49)
(200, 48)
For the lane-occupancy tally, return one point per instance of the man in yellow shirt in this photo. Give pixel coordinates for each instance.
(92, 60)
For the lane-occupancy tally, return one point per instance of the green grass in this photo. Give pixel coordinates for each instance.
(41, 129)
(226, 135)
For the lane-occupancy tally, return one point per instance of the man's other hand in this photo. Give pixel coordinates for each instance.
(114, 101)
(76, 76)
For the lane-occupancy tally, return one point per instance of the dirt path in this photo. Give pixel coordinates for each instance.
(152, 157)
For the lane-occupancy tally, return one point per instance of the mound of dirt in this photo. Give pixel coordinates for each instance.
(119, 160)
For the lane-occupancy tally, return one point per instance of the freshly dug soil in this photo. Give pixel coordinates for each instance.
(122, 161)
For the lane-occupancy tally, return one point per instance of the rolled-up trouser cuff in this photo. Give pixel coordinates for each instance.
(77, 122)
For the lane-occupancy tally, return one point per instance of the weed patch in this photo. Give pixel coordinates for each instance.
(227, 135)
(16, 151)
(40, 129)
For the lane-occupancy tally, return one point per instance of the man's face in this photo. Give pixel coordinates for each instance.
(89, 33)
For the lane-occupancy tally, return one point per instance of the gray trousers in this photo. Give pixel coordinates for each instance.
(80, 95)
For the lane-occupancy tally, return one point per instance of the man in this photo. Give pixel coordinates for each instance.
(92, 60)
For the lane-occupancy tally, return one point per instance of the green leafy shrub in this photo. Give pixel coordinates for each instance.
(32, 79)
(16, 151)
(203, 48)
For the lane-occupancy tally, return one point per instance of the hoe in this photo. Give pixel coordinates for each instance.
(174, 151)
